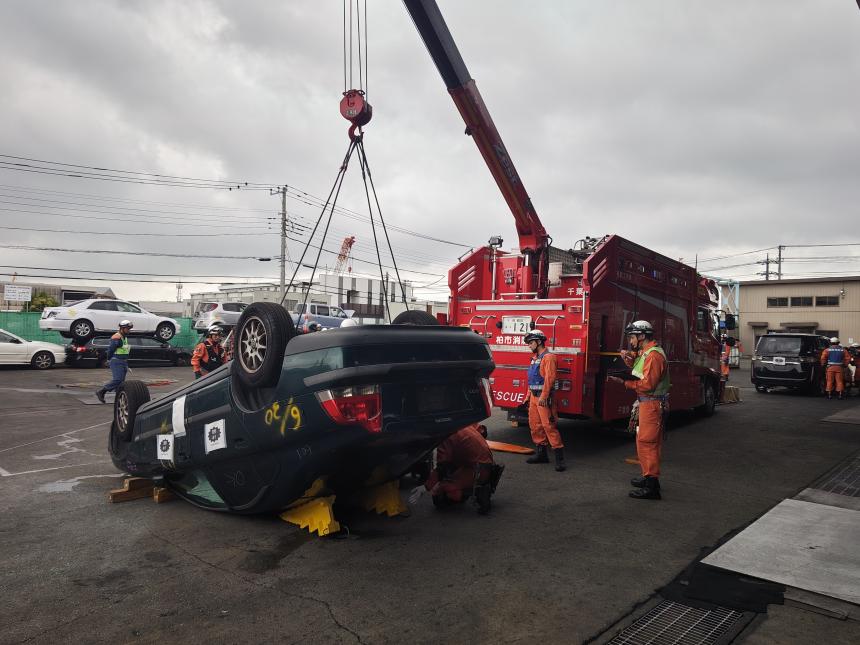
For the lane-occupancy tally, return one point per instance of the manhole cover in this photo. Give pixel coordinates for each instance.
(673, 623)
(843, 481)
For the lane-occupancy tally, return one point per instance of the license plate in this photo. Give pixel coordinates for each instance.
(432, 398)
(516, 324)
(779, 360)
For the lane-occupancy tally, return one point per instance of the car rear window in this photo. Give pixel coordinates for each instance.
(779, 345)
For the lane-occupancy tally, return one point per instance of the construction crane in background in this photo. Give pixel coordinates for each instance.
(344, 256)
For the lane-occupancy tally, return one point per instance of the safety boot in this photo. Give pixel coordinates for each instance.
(540, 456)
(100, 395)
(559, 460)
(649, 490)
(638, 482)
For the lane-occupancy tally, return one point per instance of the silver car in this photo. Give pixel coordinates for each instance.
(217, 313)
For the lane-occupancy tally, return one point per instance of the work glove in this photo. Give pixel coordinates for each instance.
(416, 494)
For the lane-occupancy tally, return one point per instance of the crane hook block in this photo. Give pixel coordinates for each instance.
(355, 108)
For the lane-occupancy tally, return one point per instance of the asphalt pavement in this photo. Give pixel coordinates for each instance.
(563, 557)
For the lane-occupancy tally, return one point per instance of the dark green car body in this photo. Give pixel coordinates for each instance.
(279, 441)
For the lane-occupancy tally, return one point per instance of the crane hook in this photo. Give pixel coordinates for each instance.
(355, 109)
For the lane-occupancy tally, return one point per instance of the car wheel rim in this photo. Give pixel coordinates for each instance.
(165, 333)
(122, 411)
(252, 345)
(43, 361)
(82, 329)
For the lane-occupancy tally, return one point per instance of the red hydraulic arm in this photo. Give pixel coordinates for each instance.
(534, 240)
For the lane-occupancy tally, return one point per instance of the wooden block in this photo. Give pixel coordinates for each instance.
(161, 495)
(132, 488)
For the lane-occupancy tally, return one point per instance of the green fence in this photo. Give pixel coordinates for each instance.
(26, 325)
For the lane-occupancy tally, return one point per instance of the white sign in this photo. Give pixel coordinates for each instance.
(516, 324)
(215, 435)
(164, 446)
(16, 293)
(179, 416)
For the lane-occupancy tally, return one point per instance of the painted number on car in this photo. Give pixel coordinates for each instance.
(516, 324)
(284, 416)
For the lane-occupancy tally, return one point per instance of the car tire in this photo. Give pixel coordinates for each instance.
(129, 397)
(42, 361)
(414, 317)
(82, 330)
(165, 331)
(710, 397)
(762, 388)
(262, 334)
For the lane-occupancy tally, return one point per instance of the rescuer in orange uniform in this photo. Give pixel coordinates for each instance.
(649, 365)
(835, 358)
(464, 466)
(543, 408)
(208, 355)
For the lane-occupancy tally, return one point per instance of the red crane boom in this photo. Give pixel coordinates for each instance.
(533, 238)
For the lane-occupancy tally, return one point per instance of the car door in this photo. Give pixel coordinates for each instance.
(157, 351)
(12, 349)
(102, 314)
(143, 321)
(338, 315)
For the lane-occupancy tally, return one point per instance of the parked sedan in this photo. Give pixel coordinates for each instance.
(144, 351)
(82, 320)
(14, 350)
(295, 417)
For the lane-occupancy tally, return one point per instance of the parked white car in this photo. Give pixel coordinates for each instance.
(14, 350)
(225, 314)
(82, 320)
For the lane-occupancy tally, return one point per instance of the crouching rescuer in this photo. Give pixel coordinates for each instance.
(464, 469)
(650, 367)
(543, 408)
(209, 355)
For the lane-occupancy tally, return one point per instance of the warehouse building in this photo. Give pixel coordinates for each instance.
(828, 306)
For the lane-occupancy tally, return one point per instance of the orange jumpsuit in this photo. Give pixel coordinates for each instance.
(207, 356)
(458, 459)
(835, 372)
(649, 439)
(543, 420)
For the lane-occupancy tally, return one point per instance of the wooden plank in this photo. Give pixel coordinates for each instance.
(132, 488)
(161, 495)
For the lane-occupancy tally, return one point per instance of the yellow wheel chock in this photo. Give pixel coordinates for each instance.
(384, 498)
(315, 516)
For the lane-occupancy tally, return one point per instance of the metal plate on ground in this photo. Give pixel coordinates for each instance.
(851, 415)
(673, 622)
(799, 544)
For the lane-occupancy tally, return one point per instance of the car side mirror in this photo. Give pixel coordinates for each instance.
(731, 322)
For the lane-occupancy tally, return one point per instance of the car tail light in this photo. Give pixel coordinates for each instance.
(80, 349)
(356, 405)
(488, 395)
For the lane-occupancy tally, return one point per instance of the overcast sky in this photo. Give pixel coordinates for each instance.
(695, 128)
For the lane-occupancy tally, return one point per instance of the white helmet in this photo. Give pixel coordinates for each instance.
(834, 341)
(349, 322)
(126, 323)
(214, 329)
(639, 327)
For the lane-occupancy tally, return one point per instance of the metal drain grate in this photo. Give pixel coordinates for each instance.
(845, 481)
(676, 624)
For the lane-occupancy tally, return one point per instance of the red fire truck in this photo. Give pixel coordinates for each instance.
(582, 298)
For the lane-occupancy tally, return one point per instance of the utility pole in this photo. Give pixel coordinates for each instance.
(779, 263)
(283, 242)
(766, 262)
(282, 191)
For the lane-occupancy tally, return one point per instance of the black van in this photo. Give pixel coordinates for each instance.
(789, 360)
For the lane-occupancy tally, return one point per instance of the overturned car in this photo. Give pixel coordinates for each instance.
(296, 416)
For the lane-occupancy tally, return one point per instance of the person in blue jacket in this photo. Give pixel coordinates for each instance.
(117, 355)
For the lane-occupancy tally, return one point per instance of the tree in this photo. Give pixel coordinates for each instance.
(41, 300)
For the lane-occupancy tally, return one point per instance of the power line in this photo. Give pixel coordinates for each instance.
(147, 253)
